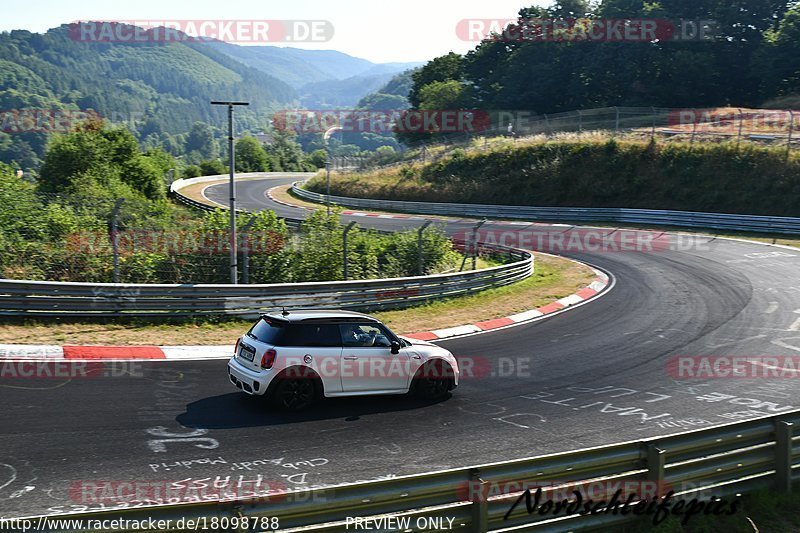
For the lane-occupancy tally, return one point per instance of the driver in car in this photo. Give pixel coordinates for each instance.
(353, 335)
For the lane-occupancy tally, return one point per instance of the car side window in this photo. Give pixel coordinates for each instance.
(317, 335)
(364, 336)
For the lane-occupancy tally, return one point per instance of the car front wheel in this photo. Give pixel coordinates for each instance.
(433, 381)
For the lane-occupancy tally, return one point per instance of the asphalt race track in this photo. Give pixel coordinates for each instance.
(594, 375)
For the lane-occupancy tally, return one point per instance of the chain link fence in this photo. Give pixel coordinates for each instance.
(777, 128)
(113, 242)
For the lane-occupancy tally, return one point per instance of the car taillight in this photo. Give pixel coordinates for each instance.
(268, 358)
(236, 348)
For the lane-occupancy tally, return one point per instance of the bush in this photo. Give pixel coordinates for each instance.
(213, 167)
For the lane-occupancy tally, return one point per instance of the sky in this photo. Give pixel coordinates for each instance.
(407, 30)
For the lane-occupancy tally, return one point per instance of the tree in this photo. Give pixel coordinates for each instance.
(213, 167)
(201, 140)
(251, 156)
(318, 158)
(441, 95)
(779, 57)
(442, 68)
(286, 155)
(569, 9)
(107, 156)
(191, 171)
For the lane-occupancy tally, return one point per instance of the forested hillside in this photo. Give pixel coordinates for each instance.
(158, 90)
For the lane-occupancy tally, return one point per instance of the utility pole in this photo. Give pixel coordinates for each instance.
(232, 186)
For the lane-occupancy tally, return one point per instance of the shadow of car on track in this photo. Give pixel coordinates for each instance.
(235, 409)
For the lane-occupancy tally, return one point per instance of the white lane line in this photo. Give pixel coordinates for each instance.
(783, 344)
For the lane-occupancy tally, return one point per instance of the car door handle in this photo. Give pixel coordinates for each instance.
(350, 357)
(416, 357)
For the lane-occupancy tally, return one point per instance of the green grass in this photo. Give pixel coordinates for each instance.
(763, 511)
(595, 172)
(554, 278)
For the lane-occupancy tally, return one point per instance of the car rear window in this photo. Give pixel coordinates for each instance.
(268, 332)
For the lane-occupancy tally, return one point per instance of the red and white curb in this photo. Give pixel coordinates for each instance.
(80, 353)
(29, 352)
(600, 284)
(272, 197)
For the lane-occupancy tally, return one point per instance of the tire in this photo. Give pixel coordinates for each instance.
(433, 381)
(294, 394)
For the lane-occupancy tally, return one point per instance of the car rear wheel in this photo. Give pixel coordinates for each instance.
(294, 394)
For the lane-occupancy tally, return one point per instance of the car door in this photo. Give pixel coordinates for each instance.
(368, 364)
(316, 345)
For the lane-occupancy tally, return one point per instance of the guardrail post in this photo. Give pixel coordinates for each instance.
(580, 122)
(480, 507)
(420, 269)
(344, 248)
(114, 235)
(656, 462)
(475, 243)
(246, 251)
(741, 125)
(653, 129)
(783, 455)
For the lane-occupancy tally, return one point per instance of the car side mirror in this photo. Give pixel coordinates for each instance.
(395, 347)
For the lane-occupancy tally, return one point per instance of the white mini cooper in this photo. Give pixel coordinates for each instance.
(297, 357)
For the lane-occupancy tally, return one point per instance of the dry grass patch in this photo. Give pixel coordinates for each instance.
(554, 278)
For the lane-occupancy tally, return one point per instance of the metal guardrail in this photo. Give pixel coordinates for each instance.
(687, 219)
(771, 127)
(722, 461)
(50, 298)
(176, 186)
(24, 298)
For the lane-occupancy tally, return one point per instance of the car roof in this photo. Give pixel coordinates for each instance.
(319, 315)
